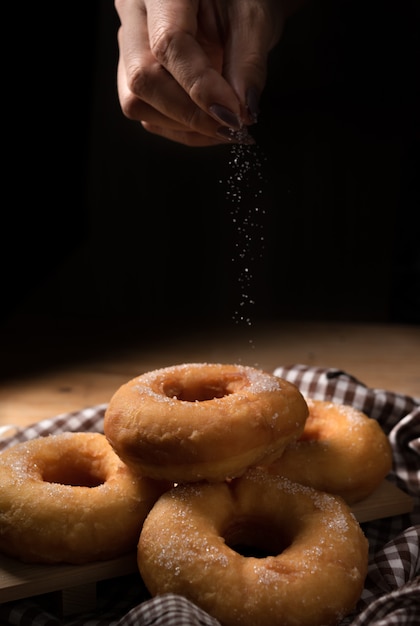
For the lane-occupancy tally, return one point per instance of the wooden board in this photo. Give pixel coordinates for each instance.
(386, 501)
(19, 580)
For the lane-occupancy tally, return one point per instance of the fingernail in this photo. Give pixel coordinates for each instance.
(225, 116)
(252, 103)
(236, 136)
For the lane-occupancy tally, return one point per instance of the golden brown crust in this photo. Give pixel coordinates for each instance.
(313, 573)
(203, 421)
(341, 451)
(69, 498)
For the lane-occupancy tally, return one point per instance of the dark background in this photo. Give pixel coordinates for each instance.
(111, 234)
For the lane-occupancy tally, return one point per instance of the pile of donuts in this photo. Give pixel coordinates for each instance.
(233, 488)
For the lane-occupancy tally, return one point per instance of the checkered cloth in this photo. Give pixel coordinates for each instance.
(391, 596)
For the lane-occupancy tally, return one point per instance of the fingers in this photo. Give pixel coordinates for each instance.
(176, 78)
(148, 92)
(183, 136)
(177, 30)
(141, 78)
(183, 121)
(193, 71)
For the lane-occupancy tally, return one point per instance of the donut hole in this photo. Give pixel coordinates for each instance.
(73, 473)
(256, 538)
(199, 391)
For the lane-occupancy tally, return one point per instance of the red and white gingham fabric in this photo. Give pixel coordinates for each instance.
(391, 596)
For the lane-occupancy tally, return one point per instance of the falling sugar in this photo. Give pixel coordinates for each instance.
(244, 193)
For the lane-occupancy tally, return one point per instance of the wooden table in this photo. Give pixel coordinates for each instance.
(381, 356)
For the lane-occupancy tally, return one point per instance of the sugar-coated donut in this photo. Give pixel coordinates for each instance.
(203, 421)
(256, 551)
(341, 451)
(69, 498)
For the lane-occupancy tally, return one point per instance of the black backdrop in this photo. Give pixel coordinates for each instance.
(110, 231)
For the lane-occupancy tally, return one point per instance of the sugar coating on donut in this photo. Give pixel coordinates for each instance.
(341, 451)
(203, 421)
(313, 565)
(256, 381)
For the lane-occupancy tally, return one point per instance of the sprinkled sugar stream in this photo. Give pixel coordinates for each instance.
(244, 193)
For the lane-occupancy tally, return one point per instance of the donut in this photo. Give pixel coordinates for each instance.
(68, 498)
(201, 421)
(341, 451)
(255, 551)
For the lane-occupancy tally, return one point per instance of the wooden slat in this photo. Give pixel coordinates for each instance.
(21, 580)
(386, 501)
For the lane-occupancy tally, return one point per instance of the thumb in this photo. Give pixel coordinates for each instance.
(254, 29)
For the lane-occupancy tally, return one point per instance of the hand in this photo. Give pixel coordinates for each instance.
(193, 70)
